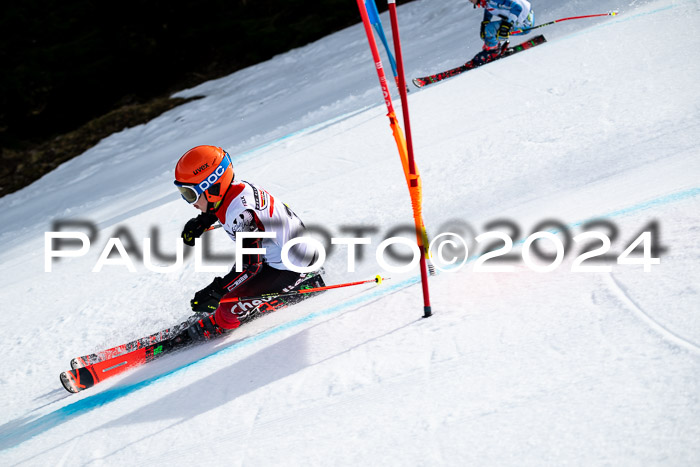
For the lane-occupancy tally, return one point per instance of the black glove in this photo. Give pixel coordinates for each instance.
(504, 30)
(482, 33)
(207, 299)
(195, 227)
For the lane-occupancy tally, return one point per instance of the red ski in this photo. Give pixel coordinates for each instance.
(90, 359)
(79, 379)
(92, 369)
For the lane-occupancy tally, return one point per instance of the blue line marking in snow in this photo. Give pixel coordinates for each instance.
(667, 199)
(63, 414)
(672, 198)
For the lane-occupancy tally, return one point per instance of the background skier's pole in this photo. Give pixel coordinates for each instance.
(523, 31)
(410, 170)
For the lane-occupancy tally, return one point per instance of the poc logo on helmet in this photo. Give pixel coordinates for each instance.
(211, 179)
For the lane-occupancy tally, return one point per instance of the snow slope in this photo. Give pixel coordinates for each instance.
(514, 368)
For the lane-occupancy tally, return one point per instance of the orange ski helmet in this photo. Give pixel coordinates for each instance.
(204, 170)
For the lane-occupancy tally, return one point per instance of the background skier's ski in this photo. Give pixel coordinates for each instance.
(424, 81)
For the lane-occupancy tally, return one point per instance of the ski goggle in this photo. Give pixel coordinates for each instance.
(191, 192)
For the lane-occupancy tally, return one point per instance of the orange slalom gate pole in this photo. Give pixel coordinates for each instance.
(405, 153)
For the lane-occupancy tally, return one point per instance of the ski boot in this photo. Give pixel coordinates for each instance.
(488, 54)
(204, 329)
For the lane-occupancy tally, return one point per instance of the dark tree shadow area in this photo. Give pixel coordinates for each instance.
(76, 72)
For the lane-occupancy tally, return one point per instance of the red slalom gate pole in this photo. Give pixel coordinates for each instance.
(521, 31)
(410, 171)
(409, 146)
(402, 85)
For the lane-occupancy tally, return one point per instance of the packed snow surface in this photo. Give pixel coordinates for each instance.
(600, 124)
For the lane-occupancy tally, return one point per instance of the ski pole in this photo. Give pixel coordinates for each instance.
(521, 31)
(377, 280)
